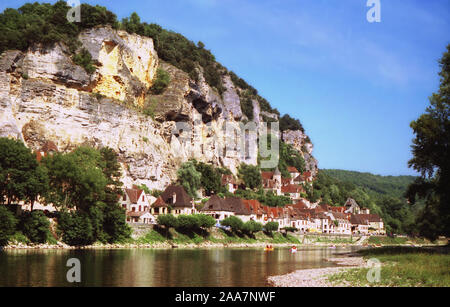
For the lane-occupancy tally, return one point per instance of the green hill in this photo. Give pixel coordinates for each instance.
(384, 185)
(383, 195)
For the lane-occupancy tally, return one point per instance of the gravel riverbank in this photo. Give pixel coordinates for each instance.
(317, 277)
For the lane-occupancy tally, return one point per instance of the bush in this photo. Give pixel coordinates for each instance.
(7, 225)
(206, 221)
(36, 227)
(251, 227)
(161, 83)
(167, 220)
(271, 226)
(235, 223)
(84, 59)
(188, 222)
(76, 228)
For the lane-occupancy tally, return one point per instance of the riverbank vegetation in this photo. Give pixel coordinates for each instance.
(402, 267)
(83, 185)
(215, 236)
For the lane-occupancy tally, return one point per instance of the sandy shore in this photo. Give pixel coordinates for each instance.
(317, 277)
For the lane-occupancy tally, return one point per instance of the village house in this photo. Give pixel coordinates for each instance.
(256, 209)
(137, 206)
(351, 206)
(294, 174)
(271, 181)
(376, 225)
(292, 191)
(160, 207)
(341, 222)
(230, 183)
(218, 208)
(178, 200)
(135, 200)
(360, 225)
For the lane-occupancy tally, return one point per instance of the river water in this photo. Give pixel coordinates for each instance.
(159, 268)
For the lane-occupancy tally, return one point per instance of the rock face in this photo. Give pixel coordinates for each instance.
(44, 96)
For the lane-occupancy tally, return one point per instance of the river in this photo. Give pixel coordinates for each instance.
(159, 268)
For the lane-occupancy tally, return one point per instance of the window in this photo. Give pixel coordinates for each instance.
(125, 197)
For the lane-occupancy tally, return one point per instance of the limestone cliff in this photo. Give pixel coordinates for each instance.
(44, 96)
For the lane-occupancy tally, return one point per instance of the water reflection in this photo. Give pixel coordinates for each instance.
(145, 267)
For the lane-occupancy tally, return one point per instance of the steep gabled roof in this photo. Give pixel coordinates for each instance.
(183, 200)
(134, 195)
(267, 175)
(160, 203)
(292, 169)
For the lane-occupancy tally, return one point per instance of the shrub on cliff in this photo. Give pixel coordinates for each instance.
(162, 81)
(84, 59)
(35, 226)
(7, 225)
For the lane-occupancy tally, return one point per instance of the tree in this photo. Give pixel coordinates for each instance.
(76, 179)
(251, 175)
(7, 225)
(234, 222)
(271, 226)
(189, 178)
(76, 228)
(206, 221)
(252, 227)
(431, 158)
(35, 226)
(188, 222)
(167, 220)
(20, 176)
(211, 177)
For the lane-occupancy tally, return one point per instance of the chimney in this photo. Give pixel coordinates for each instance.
(174, 198)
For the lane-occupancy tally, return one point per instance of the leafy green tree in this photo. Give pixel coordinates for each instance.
(20, 176)
(188, 222)
(234, 222)
(167, 220)
(189, 178)
(76, 179)
(76, 228)
(7, 225)
(289, 123)
(431, 157)
(211, 177)
(206, 221)
(251, 175)
(271, 226)
(252, 227)
(36, 226)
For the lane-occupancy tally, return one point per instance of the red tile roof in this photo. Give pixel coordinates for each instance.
(292, 188)
(160, 203)
(226, 179)
(292, 169)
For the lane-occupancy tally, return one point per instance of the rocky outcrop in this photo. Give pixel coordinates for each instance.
(44, 97)
(300, 142)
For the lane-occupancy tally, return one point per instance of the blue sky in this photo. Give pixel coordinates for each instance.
(355, 85)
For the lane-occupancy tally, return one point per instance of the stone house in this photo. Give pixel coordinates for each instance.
(178, 200)
(230, 183)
